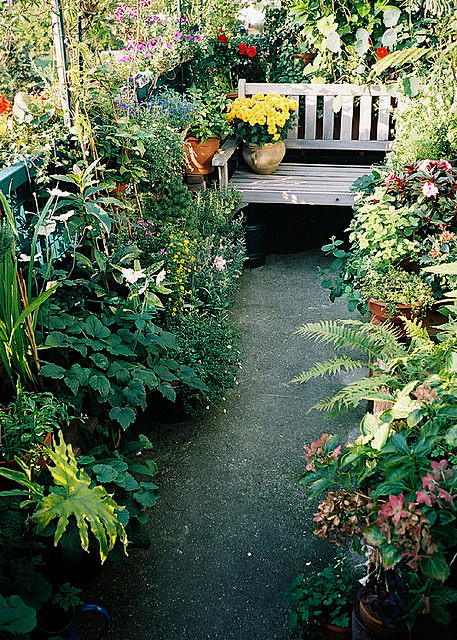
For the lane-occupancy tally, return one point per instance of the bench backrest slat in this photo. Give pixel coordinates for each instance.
(328, 118)
(365, 118)
(347, 112)
(293, 133)
(310, 117)
(318, 124)
(383, 118)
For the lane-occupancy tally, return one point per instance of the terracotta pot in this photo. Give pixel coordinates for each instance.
(307, 58)
(5, 484)
(264, 160)
(198, 155)
(332, 632)
(379, 315)
(372, 623)
(119, 190)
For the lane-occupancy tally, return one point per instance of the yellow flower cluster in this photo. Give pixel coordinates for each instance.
(270, 110)
(179, 265)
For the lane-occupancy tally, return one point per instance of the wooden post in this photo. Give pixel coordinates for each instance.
(58, 35)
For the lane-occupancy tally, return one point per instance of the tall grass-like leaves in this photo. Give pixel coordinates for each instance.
(18, 352)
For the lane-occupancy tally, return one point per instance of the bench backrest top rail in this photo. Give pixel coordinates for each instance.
(361, 123)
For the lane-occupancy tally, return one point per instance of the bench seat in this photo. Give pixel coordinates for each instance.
(299, 183)
(330, 118)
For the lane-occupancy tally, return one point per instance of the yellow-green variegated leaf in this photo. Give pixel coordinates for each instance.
(92, 507)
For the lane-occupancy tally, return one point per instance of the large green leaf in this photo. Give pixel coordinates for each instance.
(125, 416)
(16, 617)
(92, 507)
(435, 567)
(135, 393)
(101, 384)
(95, 328)
(52, 371)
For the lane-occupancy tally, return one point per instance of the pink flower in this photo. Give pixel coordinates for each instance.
(390, 179)
(446, 236)
(441, 465)
(429, 189)
(219, 263)
(445, 165)
(422, 497)
(424, 165)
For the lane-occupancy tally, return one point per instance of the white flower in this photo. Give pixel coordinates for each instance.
(160, 277)
(46, 229)
(132, 276)
(219, 263)
(58, 193)
(50, 284)
(63, 217)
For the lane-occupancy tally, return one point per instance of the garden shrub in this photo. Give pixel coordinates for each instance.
(426, 125)
(209, 346)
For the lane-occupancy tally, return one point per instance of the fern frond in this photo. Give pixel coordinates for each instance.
(352, 394)
(415, 329)
(376, 341)
(333, 366)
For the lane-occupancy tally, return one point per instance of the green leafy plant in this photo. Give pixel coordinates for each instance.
(127, 477)
(209, 345)
(361, 41)
(67, 597)
(71, 496)
(225, 58)
(25, 422)
(207, 115)
(402, 218)
(111, 364)
(398, 287)
(324, 597)
(16, 618)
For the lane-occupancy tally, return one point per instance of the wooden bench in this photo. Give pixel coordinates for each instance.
(362, 124)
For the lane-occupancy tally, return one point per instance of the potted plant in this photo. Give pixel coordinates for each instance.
(402, 218)
(263, 122)
(207, 127)
(57, 615)
(29, 420)
(323, 601)
(396, 293)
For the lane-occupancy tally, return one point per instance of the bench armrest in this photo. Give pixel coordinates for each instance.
(223, 155)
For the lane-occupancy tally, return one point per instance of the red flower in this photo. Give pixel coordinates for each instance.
(5, 105)
(382, 52)
(221, 30)
(251, 52)
(242, 48)
(222, 38)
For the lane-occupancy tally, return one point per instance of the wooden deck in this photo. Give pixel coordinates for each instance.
(296, 183)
